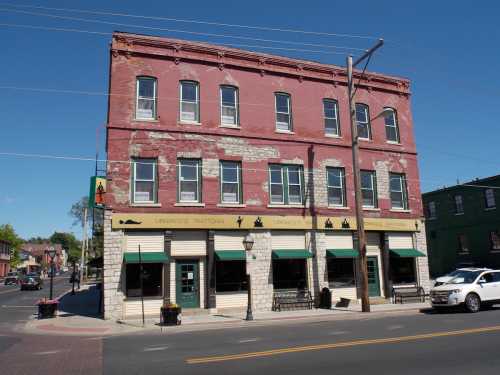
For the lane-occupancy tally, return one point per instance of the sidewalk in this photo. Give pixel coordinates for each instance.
(78, 315)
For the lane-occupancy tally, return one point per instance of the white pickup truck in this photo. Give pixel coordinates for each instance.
(470, 287)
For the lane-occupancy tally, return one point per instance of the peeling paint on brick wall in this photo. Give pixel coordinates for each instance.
(253, 202)
(198, 137)
(189, 154)
(298, 161)
(159, 135)
(210, 168)
(240, 147)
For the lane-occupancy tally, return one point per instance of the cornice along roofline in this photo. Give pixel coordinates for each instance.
(178, 49)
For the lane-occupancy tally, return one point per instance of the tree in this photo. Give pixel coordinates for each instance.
(69, 242)
(76, 211)
(7, 233)
(38, 240)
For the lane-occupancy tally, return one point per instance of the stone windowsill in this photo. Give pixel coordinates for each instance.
(371, 209)
(393, 143)
(189, 204)
(145, 204)
(333, 136)
(285, 206)
(145, 120)
(231, 205)
(189, 123)
(235, 127)
(284, 131)
(339, 208)
(402, 211)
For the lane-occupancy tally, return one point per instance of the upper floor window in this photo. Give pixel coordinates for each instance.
(286, 184)
(145, 107)
(463, 247)
(283, 112)
(190, 101)
(144, 187)
(363, 121)
(391, 125)
(459, 204)
(369, 189)
(229, 105)
(330, 110)
(495, 240)
(336, 186)
(189, 180)
(489, 197)
(399, 193)
(230, 182)
(431, 210)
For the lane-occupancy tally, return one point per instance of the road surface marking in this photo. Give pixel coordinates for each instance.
(48, 352)
(334, 333)
(155, 348)
(395, 326)
(248, 340)
(18, 307)
(9, 291)
(297, 349)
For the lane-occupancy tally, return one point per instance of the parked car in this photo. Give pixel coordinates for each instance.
(446, 278)
(31, 281)
(12, 278)
(472, 288)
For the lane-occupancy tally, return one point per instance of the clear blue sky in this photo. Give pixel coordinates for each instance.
(448, 49)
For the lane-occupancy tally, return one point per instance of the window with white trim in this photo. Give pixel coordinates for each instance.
(144, 186)
(495, 240)
(145, 106)
(335, 178)
(189, 180)
(459, 204)
(391, 125)
(431, 210)
(230, 182)
(489, 198)
(399, 194)
(330, 111)
(286, 184)
(190, 101)
(283, 112)
(363, 121)
(369, 189)
(229, 106)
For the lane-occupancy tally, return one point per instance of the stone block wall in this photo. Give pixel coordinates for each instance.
(113, 263)
(422, 262)
(259, 265)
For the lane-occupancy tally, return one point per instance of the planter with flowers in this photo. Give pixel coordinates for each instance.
(47, 308)
(170, 314)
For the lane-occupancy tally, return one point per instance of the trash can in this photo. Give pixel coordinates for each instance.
(170, 316)
(325, 299)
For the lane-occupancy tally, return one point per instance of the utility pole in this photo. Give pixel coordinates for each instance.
(84, 242)
(365, 300)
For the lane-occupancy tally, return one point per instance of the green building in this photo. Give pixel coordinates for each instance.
(463, 225)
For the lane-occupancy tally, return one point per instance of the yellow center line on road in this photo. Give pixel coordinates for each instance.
(297, 349)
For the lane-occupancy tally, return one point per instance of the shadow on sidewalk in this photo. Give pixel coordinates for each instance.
(83, 303)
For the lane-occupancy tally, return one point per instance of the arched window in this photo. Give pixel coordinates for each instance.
(391, 125)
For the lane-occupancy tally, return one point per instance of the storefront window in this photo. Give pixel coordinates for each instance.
(230, 276)
(289, 274)
(402, 270)
(152, 276)
(341, 272)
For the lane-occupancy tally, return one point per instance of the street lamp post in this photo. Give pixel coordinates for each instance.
(248, 244)
(51, 253)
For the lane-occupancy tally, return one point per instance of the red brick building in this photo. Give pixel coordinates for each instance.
(207, 144)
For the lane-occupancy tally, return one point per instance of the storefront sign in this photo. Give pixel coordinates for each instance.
(205, 221)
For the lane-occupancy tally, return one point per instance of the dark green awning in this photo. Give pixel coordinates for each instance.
(342, 253)
(230, 254)
(291, 254)
(156, 257)
(407, 253)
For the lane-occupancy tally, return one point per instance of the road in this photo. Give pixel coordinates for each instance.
(396, 343)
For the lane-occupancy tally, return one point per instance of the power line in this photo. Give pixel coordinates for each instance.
(93, 159)
(183, 31)
(215, 43)
(263, 28)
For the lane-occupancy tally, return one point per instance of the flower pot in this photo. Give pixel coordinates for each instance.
(47, 310)
(170, 315)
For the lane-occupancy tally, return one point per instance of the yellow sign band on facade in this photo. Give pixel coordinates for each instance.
(206, 221)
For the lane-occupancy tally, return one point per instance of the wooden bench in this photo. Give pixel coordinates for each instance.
(402, 293)
(293, 299)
